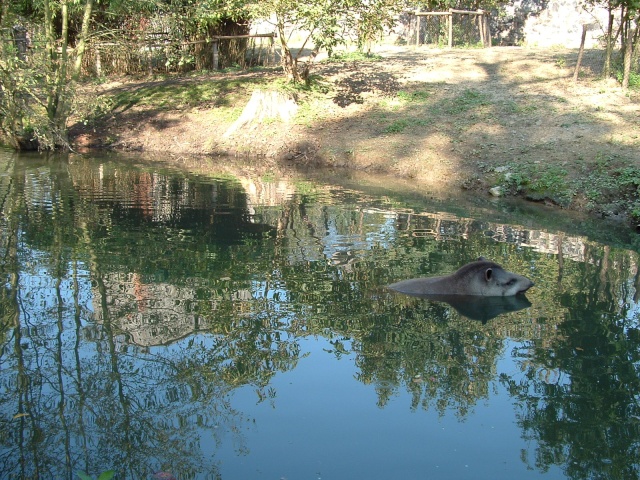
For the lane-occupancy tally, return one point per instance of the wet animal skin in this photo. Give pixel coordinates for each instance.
(482, 277)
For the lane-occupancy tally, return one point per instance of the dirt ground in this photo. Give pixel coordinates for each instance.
(444, 118)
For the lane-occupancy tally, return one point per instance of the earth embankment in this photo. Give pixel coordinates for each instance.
(506, 116)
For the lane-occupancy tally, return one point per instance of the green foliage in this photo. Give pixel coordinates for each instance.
(40, 93)
(634, 210)
(634, 78)
(328, 23)
(91, 108)
(539, 181)
(29, 117)
(370, 18)
(609, 185)
(197, 18)
(108, 475)
(460, 37)
(613, 186)
(550, 179)
(442, 5)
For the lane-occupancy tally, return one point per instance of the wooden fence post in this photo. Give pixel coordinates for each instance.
(272, 50)
(481, 20)
(216, 56)
(450, 17)
(483, 26)
(487, 29)
(98, 62)
(580, 53)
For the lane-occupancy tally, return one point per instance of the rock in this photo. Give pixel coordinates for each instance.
(496, 191)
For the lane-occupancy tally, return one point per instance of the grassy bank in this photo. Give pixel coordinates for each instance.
(502, 117)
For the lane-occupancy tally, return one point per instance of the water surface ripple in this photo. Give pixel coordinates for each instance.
(229, 325)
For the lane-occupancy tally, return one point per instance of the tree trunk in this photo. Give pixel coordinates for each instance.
(606, 71)
(7, 87)
(580, 53)
(264, 106)
(289, 63)
(59, 115)
(635, 56)
(56, 81)
(52, 55)
(84, 36)
(4, 10)
(628, 51)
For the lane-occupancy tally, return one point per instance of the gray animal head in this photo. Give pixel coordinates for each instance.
(494, 280)
(481, 277)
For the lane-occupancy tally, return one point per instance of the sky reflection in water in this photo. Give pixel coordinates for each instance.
(239, 327)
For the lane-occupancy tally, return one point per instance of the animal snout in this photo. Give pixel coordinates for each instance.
(527, 287)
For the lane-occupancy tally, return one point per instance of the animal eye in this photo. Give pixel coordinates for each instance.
(511, 282)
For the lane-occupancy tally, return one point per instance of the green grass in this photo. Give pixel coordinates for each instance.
(518, 108)
(539, 180)
(398, 126)
(608, 184)
(418, 96)
(354, 56)
(612, 184)
(468, 100)
(177, 95)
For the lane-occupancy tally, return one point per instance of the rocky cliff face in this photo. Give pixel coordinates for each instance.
(546, 23)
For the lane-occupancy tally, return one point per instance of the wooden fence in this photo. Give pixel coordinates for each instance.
(478, 21)
(152, 53)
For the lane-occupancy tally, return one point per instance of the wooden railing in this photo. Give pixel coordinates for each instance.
(482, 24)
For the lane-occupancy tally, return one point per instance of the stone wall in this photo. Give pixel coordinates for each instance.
(546, 23)
(536, 23)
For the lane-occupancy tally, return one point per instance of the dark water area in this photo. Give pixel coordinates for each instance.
(220, 323)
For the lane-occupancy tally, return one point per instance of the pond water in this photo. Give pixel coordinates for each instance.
(217, 323)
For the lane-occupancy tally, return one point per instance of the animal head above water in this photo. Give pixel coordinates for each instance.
(481, 277)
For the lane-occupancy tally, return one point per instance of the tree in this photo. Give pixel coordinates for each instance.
(323, 24)
(629, 16)
(199, 21)
(632, 18)
(37, 93)
(371, 18)
(13, 80)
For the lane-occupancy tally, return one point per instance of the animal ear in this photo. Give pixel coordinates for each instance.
(488, 273)
(481, 259)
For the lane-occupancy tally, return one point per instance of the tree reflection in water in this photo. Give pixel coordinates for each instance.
(578, 394)
(137, 300)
